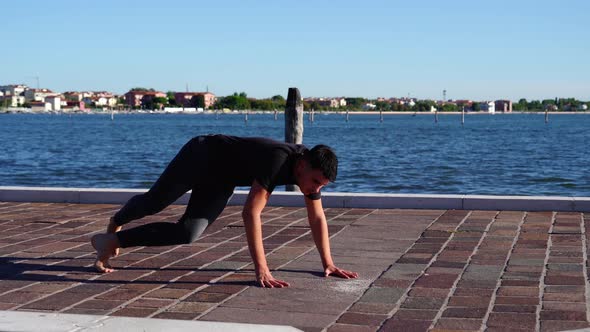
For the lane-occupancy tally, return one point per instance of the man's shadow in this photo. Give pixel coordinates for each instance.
(25, 269)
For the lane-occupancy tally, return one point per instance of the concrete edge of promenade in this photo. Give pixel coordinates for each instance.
(19, 321)
(329, 199)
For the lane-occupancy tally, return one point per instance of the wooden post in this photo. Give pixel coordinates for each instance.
(463, 115)
(346, 115)
(294, 122)
(436, 116)
(546, 116)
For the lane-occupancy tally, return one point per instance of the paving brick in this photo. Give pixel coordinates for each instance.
(518, 291)
(361, 319)
(563, 315)
(562, 280)
(20, 297)
(436, 281)
(415, 314)
(47, 287)
(482, 292)
(564, 306)
(192, 307)
(469, 301)
(519, 300)
(465, 312)
(374, 308)
(395, 283)
(120, 294)
(458, 324)
(382, 295)
(564, 297)
(422, 303)
(439, 293)
(405, 325)
(512, 320)
(351, 328)
(515, 308)
(57, 301)
(557, 325)
(150, 303)
(99, 304)
(7, 306)
(204, 296)
(477, 284)
(167, 293)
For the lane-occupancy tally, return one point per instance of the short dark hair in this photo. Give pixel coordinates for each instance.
(322, 157)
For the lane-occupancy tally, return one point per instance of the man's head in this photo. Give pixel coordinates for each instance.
(318, 167)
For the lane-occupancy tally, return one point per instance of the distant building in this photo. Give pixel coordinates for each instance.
(138, 98)
(327, 102)
(54, 103)
(13, 89)
(37, 94)
(73, 106)
(185, 99)
(12, 101)
(77, 95)
(488, 106)
(503, 106)
(40, 106)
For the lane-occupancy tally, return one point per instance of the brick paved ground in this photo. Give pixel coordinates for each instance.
(420, 270)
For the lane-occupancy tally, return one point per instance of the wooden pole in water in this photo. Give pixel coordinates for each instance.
(276, 115)
(347, 115)
(546, 116)
(463, 115)
(436, 116)
(380, 115)
(294, 122)
(246, 117)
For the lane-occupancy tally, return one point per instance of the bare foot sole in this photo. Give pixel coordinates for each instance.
(105, 249)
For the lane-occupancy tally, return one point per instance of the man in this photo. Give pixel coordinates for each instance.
(212, 166)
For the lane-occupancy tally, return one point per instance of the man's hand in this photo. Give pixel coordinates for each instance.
(332, 270)
(265, 279)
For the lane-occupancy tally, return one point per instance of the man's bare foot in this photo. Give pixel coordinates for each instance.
(113, 228)
(105, 245)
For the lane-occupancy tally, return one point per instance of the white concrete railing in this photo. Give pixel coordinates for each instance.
(334, 200)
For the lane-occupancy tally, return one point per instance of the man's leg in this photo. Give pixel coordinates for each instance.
(203, 208)
(173, 183)
(176, 180)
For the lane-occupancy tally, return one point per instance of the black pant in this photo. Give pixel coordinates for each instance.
(188, 170)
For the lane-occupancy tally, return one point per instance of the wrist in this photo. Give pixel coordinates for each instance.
(261, 269)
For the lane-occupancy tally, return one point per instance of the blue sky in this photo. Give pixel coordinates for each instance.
(473, 49)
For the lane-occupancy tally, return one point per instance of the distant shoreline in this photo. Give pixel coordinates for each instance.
(101, 112)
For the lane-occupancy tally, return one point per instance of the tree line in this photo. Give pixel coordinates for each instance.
(240, 101)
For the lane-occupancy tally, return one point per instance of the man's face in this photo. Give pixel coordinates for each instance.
(309, 180)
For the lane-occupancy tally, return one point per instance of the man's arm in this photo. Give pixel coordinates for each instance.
(256, 201)
(319, 230)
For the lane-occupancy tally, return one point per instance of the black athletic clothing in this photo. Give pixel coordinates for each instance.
(211, 166)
